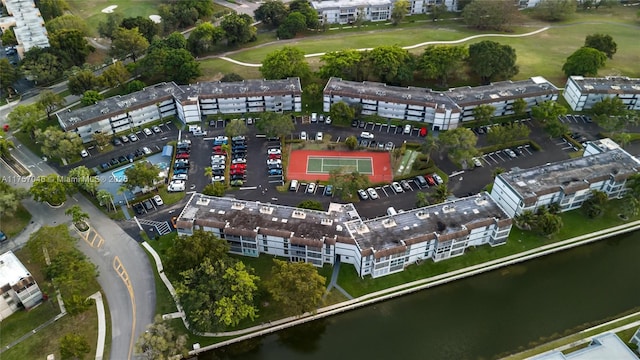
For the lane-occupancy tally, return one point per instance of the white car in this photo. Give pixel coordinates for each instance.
(218, 157)
(319, 136)
(176, 185)
(217, 179)
(303, 135)
(366, 135)
(158, 200)
(327, 120)
(147, 131)
(199, 133)
(84, 153)
(407, 129)
(156, 129)
(437, 178)
(217, 166)
(363, 194)
(239, 161)
(373, 194)
(180, 177)
(476, 162)
(274, 161)
(274, 151)
(311, 188)
(396, 187)
(146, 150)
(511, 153)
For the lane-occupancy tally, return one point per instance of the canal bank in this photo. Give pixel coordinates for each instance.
(418, 285)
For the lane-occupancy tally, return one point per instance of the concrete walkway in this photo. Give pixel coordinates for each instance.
(410, 47)
(102, 325)
(334, 281)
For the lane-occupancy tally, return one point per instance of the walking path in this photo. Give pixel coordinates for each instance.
(102, 324)
(410, 47)
(334, 281)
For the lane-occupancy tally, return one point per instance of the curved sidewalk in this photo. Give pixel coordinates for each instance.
(410, 47)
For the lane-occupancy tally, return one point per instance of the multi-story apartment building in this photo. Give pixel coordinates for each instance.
(603, 346)
(348, 11)
(568, 183)
(442, 109)
(375, 247)
(189, 103)
(27, 23)
(582, 93)
(18, 289)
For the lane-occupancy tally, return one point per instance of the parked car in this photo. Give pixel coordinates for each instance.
(158, 200)
(274, 166)
(421, 181)
(327, 120)
(147, 205)
(476, 162)
(133, 137)
(156, 129)
(139, 152)
(180, 177)
(238, 166)
(274, 151)
(138, 208)
(220, 140)
(147, 131)
(396, 187)
(389, 146)
(3, 236)
(236, 148)
(239, 138)
(437, 178)
(104, 166)
(199, 133)
(275, 171)
(237, 182)
(354, 123)
(303, 135)
(238, 177)
(131, 156)
(430, 180)
(405, 185)
(218, 157)
(182, 156)
(180, 171)
(373, 194)
(407, 129)
(117, 142)
(363, 194)
(124, 139)
(84, 153)
(217, 167)
(274, 161)
(328, 190)
(319, 136)
(366, 135)
(239, 161)
(113, 161)
(511, 153)
(176, 185)
(311, 188)
(218, 178)
(122, 159)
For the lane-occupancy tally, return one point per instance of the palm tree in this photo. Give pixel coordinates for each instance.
(633, 184)
(5, 146)
(497, 171)
(441, 193)
(121, 190)
(554, 208)
(630, 206)
(106, 198)
(430, 145)
(526, 220)
(77, 215)
(208, 172)
(422, 199)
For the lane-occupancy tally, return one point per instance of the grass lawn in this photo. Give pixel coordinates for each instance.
(170, 198)
(575, 223)
(91, 10)
(12, 224)
(214, 69)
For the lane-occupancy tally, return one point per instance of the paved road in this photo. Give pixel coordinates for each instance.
(132, 308)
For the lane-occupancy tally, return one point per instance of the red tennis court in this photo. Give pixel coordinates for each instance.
(312, 165)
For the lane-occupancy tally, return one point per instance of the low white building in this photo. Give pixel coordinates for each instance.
(348, 11)
(582, 93)
(375, 247)
(607, 346)
(18, 289)
(568, 183)
(443, 110)
(189, 103)
(27, 23)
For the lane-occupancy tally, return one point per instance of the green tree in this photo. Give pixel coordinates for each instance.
(351, 142)
(460, 144)
(231, 77)
(630, 206)
(508, 133)
(483, 113)
(274, 124)
(548, 111)
(284, 63)
(391, 64)
(128, 43)
(142, 174)
(633, 184)
(217, 294)
(443, 62)
(296, 286)
(59, 144)
(399, 11)
(610, 106)
(8, 75)
(437, 10)
(135, 85)
(203, 38)
(50, 101)
(271, 13)
(160, 342)
(83, 180)
(50, 189)
(341, 113)
(77, 215)
(526, 220)
(549, 224)
(304, 7)
(9, 37)
(422, 199)
(115, 75)
(214, 189)
(519, 107)
(5, 146)
(497, 171)
(585, 61)
(311, 204)
(108, 27)
(602, 42)
(26, 117)
(10, 197)
(175, 40)
(51, 9)
(441, 193)
(294, 24)
(187, 252)
(555, 128)
(145, 26)
(346, 184)
(41, 66)
(67, 22)
(345, 64)
(166, 64)
(83, 80)
(554, 10)
(236, 127)
(238, 29)
(490, 14)
(70, 46)
(106, 199)
(429, 145)
(492, 61)
(73, 346)
(91, 97)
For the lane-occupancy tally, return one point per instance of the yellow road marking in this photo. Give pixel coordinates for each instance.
(122, 272)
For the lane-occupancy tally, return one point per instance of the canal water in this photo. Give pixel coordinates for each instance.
(482, 317)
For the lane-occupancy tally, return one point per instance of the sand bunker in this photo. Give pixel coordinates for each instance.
(155, 18)
(109, 10)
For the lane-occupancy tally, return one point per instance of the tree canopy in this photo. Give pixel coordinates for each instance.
(490, 14)
(483, 113)
(585, 61)
(168, 64)
(236, 127)
(8, 74)
(341, 113)
(50, 101)
(91, 97)
(10, 197)
(145, 26)
(296, 286)
(59, 144)
(187, 252)
(555, 10)
(399, 11)
(81, 177)
(51, 189)
(160, 342)
(238, 29)
(141, 174)
(67, 22)
(305, 8)
(115, 75)
(128, 43)
(602, 42)
(271, 13)
(203, 38)
(285, 62)
(26, 117)
(391, 64)
(460, 143)
(492, 61)
(70, 46)
(508, 133)
(274, 124)
(42, 66)
(345, 64)
(292, 25)
(442, 62)
(83, 80)
(346, 184)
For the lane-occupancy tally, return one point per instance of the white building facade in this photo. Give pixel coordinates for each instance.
(189, 103)
(443, 110)
(582, 93)
(567, 183)
(348, 11)
(18, 289)
(27, 23)
(375, 247)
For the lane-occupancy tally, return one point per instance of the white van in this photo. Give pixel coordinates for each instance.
(193, 128)
(391, 211)
(294, 185)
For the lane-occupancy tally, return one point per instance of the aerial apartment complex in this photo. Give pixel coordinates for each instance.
(189, 103)
(442, 109)
(582, 93)
(348, 11)
(27, 23)
(375, 247)
(604, 167)
(18, 289)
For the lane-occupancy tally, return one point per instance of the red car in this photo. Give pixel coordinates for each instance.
(430, 180)
(238, 167)
(182, 156)
(274, 156)
(237, 172)
(423, 132)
